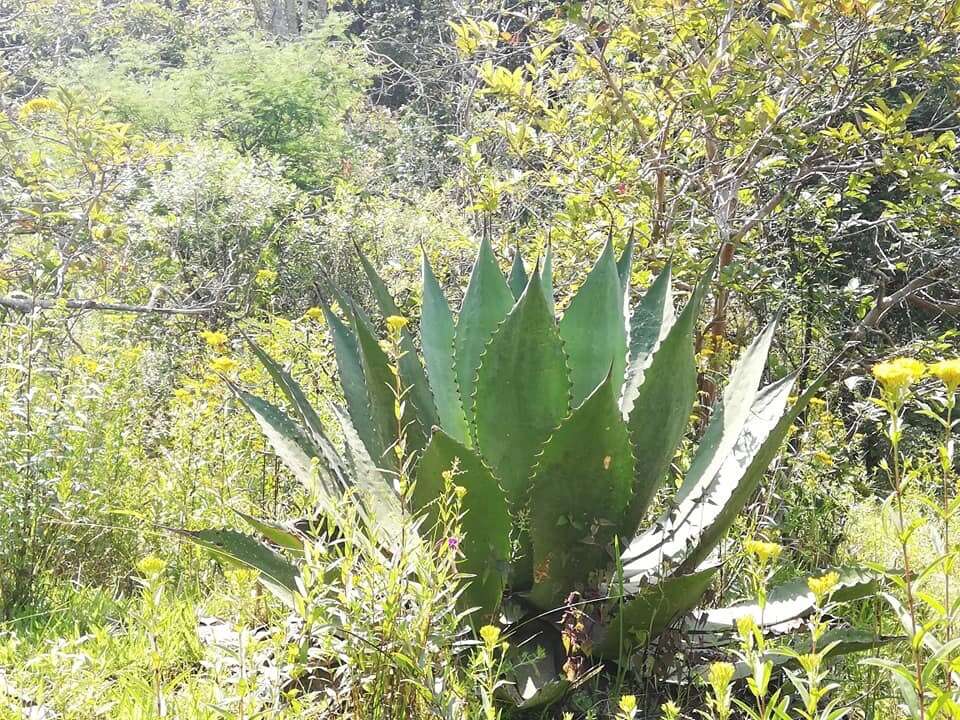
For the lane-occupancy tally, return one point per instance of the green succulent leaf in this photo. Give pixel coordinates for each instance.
(277, 574)
(651, 611)
(546, 275)
(522, 390)
(534, 662)
(380, 504)
(486, 521)
(594, 331)
(411, 371)
(518, 275)
(486, 303)
(436, 336)
(330, 470)
(276, 532)
(658, 402)
(578, 495)
(650, 322)
(625, 266)
(787, 603)
(291, 445)
(352, 379)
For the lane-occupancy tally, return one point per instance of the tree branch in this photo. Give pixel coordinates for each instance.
(27, 305)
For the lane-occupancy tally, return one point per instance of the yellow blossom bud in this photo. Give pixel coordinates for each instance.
(821, 587)
(898, 374)
(948, 371)
(763, 551)
(396, 323)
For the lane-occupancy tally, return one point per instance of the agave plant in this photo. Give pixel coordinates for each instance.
(562, 433)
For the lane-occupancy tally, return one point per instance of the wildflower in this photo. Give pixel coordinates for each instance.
(215, 339)
(821, 587)
(396, 323)
(490, 635)
(628, 705)
(763, 551)
(948, 371)
(224, 365)
(453, 543)
(720, 676)
(823, 458)
(37, 105)
(899, 374)
(314, 313)
(745, 626)
(670, 711)
(151, 566)
(182, 394)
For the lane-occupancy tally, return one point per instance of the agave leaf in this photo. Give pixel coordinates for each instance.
(651, 611)
(352, 379)
(276, 532)
(486, 521)
(486, 303)
(650, 322)
(331, 471)
(578, 494)
(277, 573)
(625, 266)
(593, 329)
(411, 371)
(381, 508)
(658, 408)
(291, 445)
(535, 662)
(787, 604)
(546, 275)
(689, 530)
(522, 390)
(518, 275)
(436, 335)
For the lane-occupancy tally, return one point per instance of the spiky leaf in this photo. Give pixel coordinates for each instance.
(276, 532)
(650, 322)
(687, 531)
(518, 275)
(277, 573)
(411, 371)
(579, 492)
(658, 409)
(594, 331)
(625, 266)
(486, 303)
(651, 611)
(436, 335)
(546, 275)
(330, 470)
(486, 521)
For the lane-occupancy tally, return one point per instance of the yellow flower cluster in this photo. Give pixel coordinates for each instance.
(215, 339)
(763, 551)
(224, 365)
(314, 313)
(898, 374)
(721, 674)
(948, 371)
(151, 566)
(396, 323)
(37, 105)
(821, 587)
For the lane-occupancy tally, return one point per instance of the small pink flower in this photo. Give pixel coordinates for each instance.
(453, 543)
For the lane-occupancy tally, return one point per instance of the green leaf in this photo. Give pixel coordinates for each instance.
(518, 275)
(594, 331)
(625, 266)
(352, 379)
(291, 445)
(330, 470)
(411, 371)
(277, 573)
(787, 603)
(486, 521)
(380, 504)
(579, 492)
(522, 390)
(486, 303)
(436, 335)
(658, 402)
(686, 532)
(651, 611)
(650, 322)
(534, 663)
(546, 275)
(276, 532)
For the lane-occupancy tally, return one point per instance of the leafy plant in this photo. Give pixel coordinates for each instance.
(559, 434)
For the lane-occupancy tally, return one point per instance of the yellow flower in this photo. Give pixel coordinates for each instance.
(823, 458)
(182, 394)
(224, 365)
(745, 626)
(314, 313)
(763, 551)
(628, 704)
(396, 323)
(821, 587)
(37, 105)
(720, 675)
(898, 374)
(151, 566)
(948, 371)
(215, 339)
(490, 635)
